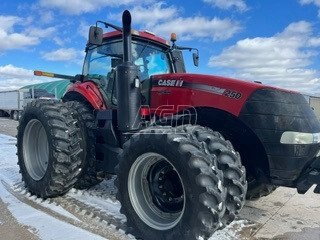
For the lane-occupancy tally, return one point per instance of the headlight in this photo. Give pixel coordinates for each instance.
(300, 138)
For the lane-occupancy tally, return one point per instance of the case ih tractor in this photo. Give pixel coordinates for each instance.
(173, 139)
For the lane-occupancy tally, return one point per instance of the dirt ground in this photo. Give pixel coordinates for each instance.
(9, 227)
(282, 215)
(8, 127)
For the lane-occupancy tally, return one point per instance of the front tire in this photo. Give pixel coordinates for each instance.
(169, 188)
(49, 152)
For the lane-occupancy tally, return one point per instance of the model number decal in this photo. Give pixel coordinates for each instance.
(232, 94)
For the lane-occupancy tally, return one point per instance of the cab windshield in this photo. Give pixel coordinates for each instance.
(151, 60)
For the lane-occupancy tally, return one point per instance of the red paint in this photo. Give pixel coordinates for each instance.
(145, 111)
(177, 96)
(89, 91)
(142, 34)
(170, 100)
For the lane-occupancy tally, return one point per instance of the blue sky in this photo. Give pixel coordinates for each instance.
(273, 41)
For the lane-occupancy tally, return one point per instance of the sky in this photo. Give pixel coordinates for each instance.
(276, 42)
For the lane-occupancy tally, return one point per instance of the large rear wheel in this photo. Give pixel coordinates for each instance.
(229, 162)
(86, 123)
(49, 152)
(169, 187)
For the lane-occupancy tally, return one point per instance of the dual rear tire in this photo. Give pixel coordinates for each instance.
(172, 186)
(49, 149)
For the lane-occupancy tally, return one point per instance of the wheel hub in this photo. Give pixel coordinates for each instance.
(156, 191)
(165, 187)
(35, 149)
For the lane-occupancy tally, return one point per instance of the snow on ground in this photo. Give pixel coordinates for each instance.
(40, 223)
(48, 227)
(281, 215)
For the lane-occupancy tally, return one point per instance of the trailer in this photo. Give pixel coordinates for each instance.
(11, 103)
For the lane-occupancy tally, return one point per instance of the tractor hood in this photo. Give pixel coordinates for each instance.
(272, 114)
(224, 83)
(206, 90)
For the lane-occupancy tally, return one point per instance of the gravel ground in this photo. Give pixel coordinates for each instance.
(8, 126)
(9, 227)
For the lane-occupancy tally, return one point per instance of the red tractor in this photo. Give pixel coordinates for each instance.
(173, 139)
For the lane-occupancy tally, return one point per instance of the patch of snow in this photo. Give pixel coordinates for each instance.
(40, 223)
(47, 227)
(106, 205)
(231, 232)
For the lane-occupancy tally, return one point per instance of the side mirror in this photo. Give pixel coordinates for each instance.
(195, 57)
(95, 35)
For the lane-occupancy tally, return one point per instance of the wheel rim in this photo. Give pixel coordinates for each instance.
(156, 191)
(35, 149)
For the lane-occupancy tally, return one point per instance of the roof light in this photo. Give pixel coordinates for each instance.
(151, 33)
(173, 37)
(135, 32)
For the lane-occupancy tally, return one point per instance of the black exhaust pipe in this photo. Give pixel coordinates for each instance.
(126, 36)
(128, 83)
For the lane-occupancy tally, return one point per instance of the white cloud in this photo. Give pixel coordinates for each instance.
(11, 39)
(315, 2)
(63, 54)
(314, 42)
(14, 72)
(83, 29)
(85, 6)
(46, 16)
(198, 27)
(228, 4)
(61, 42)
(282, 60)
(40, 32)
(163, 20)
(12, 77)
(150, 15)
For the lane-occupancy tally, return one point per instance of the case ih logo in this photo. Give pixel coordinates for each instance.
(170, 83)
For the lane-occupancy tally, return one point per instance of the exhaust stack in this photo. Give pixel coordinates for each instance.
(128, 83)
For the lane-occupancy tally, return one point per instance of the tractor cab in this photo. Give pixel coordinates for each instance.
(149, 53)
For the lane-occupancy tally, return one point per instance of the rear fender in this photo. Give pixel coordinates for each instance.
(89, 91)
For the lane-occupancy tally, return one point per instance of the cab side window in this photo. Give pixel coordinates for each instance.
(100, 64)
